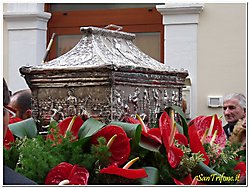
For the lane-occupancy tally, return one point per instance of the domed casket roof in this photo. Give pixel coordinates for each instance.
(105, 76)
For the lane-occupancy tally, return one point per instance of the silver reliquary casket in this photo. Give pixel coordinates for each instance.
(105, 76)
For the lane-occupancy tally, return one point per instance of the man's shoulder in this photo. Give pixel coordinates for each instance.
(226, 126)
(11, 177)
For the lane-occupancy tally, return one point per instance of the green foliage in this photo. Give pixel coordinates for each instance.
(188, 162)
(162, 164)
(101, 152)
(36, 158)
(226, 160)
(11, 156)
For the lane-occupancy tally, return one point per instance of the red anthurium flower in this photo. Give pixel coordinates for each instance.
(195, 120)
(206, 129)
(242, 167)
(169, 133)
(75, 128)
(165, 128)
(205, 122)
(181, 139)
(125, 171)
(120, 148)
(174, 156)
(64, 125)
(214, 124)
(195, 143)
(131, 120)
(9, 138)
(152, 135)
(188, 180)
(65, 173)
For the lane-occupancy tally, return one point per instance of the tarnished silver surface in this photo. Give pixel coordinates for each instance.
(105, 76)
(100, 47)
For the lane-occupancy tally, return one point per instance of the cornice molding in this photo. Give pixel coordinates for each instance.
(12, 16)
(180, 8)
(27, 21)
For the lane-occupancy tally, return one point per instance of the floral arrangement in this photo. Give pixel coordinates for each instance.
(127, 152)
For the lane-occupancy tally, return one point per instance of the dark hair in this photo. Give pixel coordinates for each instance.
(6, 93)
(23, 100)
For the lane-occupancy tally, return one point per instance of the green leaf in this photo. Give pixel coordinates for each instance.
(11, 156)
(179, 128)
(90, 127)
(132, 130)
(201, 170)
(153, 176)
(149, 145)
(24, 128)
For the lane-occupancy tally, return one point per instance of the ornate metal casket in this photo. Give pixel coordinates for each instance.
(106, 76)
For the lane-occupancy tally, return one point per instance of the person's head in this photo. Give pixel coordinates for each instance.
(6, 101)
(21, 102)
(234, 107)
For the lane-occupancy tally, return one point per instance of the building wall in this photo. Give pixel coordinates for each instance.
(221, 66)
(5, 48)
(25, 26)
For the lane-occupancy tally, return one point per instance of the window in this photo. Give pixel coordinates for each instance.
(142, 19)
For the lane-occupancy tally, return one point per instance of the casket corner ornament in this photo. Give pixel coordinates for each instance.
(106, 76)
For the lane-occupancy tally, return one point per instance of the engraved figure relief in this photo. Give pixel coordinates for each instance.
(71, 103)
(146, 102)
(118, 105)
(106, 108)
(157, 103)
(35, 108)
(117, 99)
(126, 109)
(135, 99)
(165, 98)
(174, 98)
(82, 109)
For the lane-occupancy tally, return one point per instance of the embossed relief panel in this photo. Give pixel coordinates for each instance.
(72, 101)
(145, 101)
